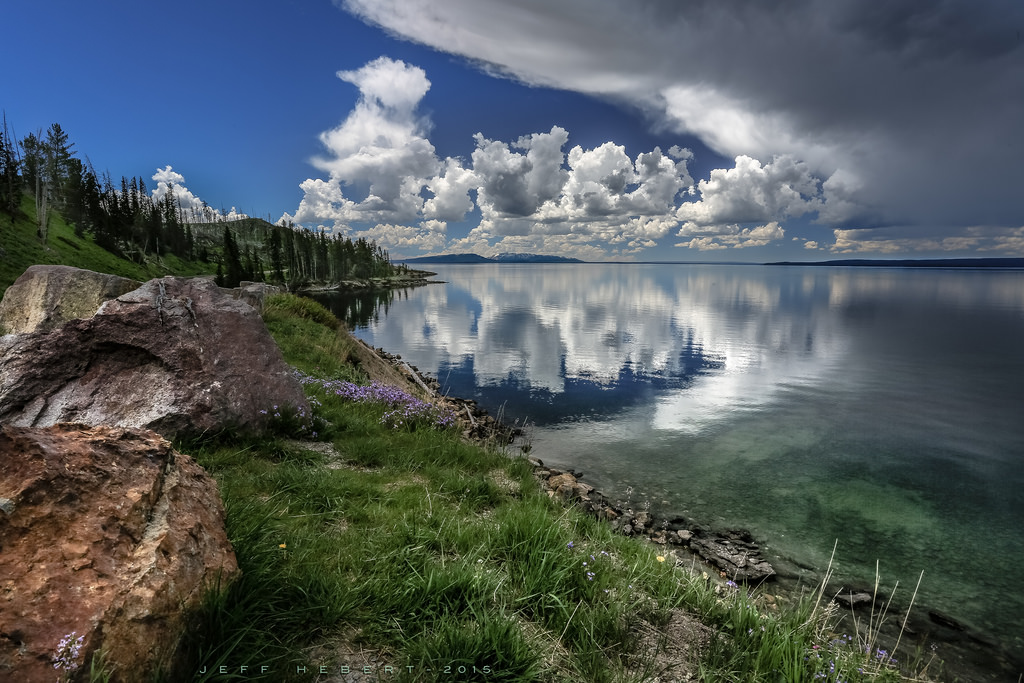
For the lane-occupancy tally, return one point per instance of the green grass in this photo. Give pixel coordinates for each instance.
(447, 562)
(312, 337)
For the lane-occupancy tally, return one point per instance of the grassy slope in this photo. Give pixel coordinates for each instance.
(411, 549)
(22, 248)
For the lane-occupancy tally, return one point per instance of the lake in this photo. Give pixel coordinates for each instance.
(880, 407)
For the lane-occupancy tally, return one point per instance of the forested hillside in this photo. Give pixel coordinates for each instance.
(55, 208)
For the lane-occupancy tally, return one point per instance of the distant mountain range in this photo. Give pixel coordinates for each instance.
(500, 258)
(986, 262)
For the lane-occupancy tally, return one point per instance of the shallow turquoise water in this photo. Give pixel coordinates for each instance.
(879, 407)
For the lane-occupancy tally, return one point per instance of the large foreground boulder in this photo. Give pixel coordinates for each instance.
(107, 533)
(180, 356)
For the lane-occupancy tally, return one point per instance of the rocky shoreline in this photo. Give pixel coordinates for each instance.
(966, 653)
(414, 278)
(733, 553)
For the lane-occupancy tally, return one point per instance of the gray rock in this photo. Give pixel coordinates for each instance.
(851, 599)
(46, 297)
(255, 293)
(739, 561)
(682, 536)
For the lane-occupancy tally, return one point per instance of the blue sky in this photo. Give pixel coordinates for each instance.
(602, 129)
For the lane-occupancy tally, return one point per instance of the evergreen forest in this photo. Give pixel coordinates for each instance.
(126, 219)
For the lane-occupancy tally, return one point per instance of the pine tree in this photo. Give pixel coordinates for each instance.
(174, 235)
(35, 176)
(58, 161)
(10, 186)
(248, 266)
(75, 209)
(289, 251)
(152, 226)
(232, 260)
(274, 250)
(97, 216)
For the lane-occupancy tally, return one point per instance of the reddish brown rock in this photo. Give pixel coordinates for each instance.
(563, 483)
(105, 532)
(176, 355)
(568, 488)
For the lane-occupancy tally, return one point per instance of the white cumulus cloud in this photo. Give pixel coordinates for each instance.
(428, 236)
(380, 148)
(585, 201)
(729, 236)
(751, 192)
(513, 183)
(194, 209)
(451, 187)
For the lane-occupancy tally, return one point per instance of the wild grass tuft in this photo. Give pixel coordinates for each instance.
(291, 306)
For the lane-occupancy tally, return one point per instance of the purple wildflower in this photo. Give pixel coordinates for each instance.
(404, 409)
(67, 652)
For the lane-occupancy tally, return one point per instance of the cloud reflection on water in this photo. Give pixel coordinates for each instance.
(711, 339)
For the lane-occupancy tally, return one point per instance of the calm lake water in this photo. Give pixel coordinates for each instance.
(880, 407)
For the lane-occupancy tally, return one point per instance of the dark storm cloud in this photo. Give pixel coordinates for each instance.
(907, 113)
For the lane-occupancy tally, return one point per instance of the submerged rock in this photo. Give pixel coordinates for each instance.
(740, 561)
(108, 533)
(943, 619)
(853, 599)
